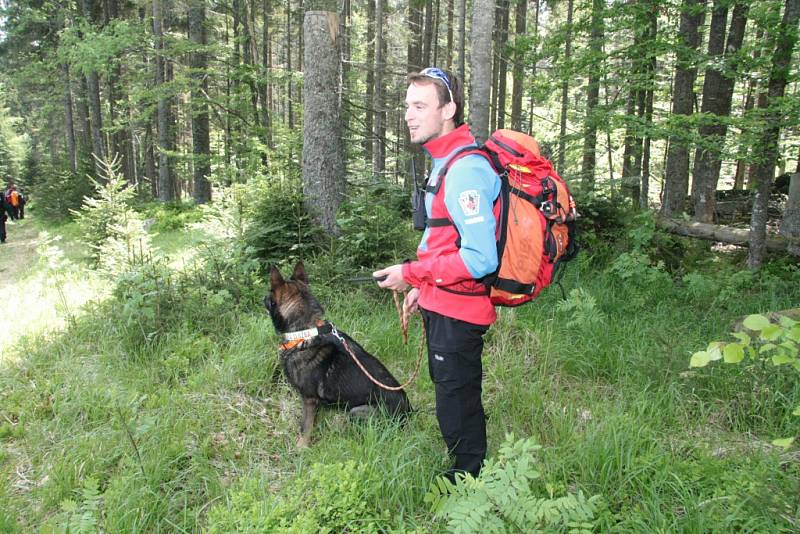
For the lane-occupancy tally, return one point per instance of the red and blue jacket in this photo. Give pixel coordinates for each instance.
(452, 256)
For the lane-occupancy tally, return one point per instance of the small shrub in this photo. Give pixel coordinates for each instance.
(763, 341)
(328, 499)
(374, 229)
(81, 516)
(108, 214)
(502, 498)
(277, 228)
(59, 192)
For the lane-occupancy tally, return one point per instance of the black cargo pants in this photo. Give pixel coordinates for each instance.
(454, 362)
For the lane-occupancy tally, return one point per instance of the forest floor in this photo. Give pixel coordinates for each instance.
(160, 407)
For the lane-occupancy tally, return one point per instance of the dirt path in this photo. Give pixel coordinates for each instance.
(18, 256)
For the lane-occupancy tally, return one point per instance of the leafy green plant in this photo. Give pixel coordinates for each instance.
(581, 306)
(373, 229)
(763, 341)
(328, 499)
(108, 214)
(503, 499)
(81, 516)
(276, 227)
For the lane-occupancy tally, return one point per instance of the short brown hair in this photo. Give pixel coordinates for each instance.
(441, 90)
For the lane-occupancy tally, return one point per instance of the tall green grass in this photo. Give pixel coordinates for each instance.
(193, 428)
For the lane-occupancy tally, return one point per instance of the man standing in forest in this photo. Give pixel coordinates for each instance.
(457, 248)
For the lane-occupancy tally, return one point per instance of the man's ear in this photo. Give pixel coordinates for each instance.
(449, 111)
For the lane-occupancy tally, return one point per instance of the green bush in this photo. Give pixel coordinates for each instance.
(278, 229)
(762, 341)
(503, 498)
(170, 216)
(108, 215)
(375, 229)
(58, 192)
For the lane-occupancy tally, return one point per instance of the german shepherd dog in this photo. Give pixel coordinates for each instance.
(317, 364)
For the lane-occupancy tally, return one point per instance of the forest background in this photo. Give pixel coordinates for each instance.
(283, 124)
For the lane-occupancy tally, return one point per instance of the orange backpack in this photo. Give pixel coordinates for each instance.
(536, 229)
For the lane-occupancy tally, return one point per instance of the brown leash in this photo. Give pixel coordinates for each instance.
(404, 328)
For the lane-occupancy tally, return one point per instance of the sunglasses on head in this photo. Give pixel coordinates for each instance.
(439, 74)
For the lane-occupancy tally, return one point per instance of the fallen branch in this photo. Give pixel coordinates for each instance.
(723, 234)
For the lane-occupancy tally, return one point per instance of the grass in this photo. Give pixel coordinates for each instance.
(194, 428)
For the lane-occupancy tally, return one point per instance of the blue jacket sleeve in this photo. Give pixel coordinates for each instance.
(471, 188)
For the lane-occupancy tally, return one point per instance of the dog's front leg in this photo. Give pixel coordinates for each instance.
(309, 413)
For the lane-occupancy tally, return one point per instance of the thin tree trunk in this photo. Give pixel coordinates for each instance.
(201, 149)
(427, 42)
(765, 169)
(379, 151)
(166, 191)
(502, 63)
(93, 98)
(593, 94)
(266, 69)
(72, 154)
(481, 67)
(677, 168)
(562, 131)
(462, 33)
(369, 91)
(517, 88)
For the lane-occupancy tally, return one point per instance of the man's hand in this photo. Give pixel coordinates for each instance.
(410, 302)
(394, 278)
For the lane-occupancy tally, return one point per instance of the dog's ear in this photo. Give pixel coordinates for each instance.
(275, 277)
(299, 273)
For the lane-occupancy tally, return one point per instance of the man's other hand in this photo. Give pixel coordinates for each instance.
(394, 278)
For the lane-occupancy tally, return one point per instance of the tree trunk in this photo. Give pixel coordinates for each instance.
(369, 90)
(790, 225)
(462, 32)
(765, 168)
(427, 41)
(717, 96)
(593, 94)
(93, 98)
(517, 89)
(650, 76)
(379, 151)
(725, 234)
(481, 67)
(289, 109)
(562, 131)
(449, 48)
(166, 191)
(72, 154)
(677, 169)
(414, 58)
(323, 164)
(201, 149)
(266, 69)
(501, 62)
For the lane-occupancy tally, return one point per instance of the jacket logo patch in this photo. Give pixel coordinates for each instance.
(470, 202)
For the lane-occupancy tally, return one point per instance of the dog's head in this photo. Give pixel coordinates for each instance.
(290, 303)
